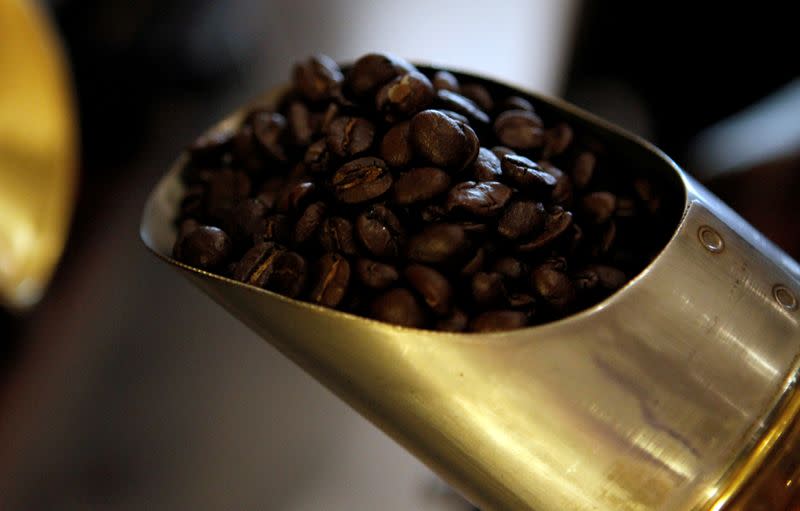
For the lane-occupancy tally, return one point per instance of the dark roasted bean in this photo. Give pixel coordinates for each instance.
(499, 320)
(257, 263)
(475, 263)
(404, 96)
(277, 228)
(336, 235)
(520, 130)
(487, 288)
(562, 191)
(516, 103)
(512, 269)
(361, 180)
(270, 191)
(317, 158)
(296, 196)
(486, 166)
(317, 78)
(225, 189)
(456, 321)
(598, 207)
(455, 116)
(396, 148)
(420, 184)
(479, 95)
(398, 307)
(208, 149)
(433, 213)
(350, 136)
(333, 279)
(309, 222)
(247, 220)
(437, 243)
(553, 285)
(269, 129)
(557, 139)
(374, 274)
(500, 151)
(432, 286)
(372, 71)
(482, 199)
(583, 169)
(555, 225)
(204, 247)
(444, 80)
(380, 231)
(521, 300)
(599, 275)
(521, 219)
(449, 100)
(442, 141)
(289, 274)
(525, 173)
(301, 127)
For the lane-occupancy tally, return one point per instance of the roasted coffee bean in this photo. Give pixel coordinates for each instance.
(396, 148)
(445, 80)
(372, 71)
(420, 184)
(500, 151)
(191, 205)
(208, 149)
(380, 231)
(598, 207)
(289, 274)
(333, 279)
(600, 276)
(404, 96)
(318, 157)
(456, 321)
(482, 199)
(296, 196)
(555, 225)
(309, 222)
(626, 207)
(486, 166)
(270, 191)
(449, 100)
(520, 130)
(516, 103)
(521, 301)
(487, 288)
(245, 151)
(455, 116)
(479, 95)
(498, 320)
(475, 263)
(437, 243)
(269, 128)
(562, 192)
(204, 247)
(442, 141)
(432, 286)
(317, 78)
(399, 307)
(257, 263)
(225, 189)
(583, 169)
(557, 139)
(527, 174)
(512, 269)
(247, 220)
(186, 226)
(277, 228)
(361, 180)
(336, 235)
(607, 238)
(350, 136)
(301, 125)
(553, 285)
(433, 213)
(374, 274)
(521, 219)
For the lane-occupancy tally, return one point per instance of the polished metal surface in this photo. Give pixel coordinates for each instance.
(38, 143)
(658, 398)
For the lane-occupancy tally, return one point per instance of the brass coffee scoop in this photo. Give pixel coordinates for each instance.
(676, 393)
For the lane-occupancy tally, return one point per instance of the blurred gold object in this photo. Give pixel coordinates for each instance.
(37, 152)
(671, 395)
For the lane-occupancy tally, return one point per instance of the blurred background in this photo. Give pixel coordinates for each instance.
(123, 388)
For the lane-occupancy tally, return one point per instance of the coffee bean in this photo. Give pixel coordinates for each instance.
(521, 301)
(475, 263)
(204, 247)
(404, 96)
(225, 189)
(247, 220)
(396, 145)
(277, 228)
(361, 180)
(432, 286)
(317, 77)
(437, 243)
(270, 191)
(289, 274)
(445, 80)
(301, 127)
(399, 307)
(498, 320)
(296, 196)
(598, 207)
(318, 157)
(374, 274)
(486, 166)
(521, 219)
(516, 103)
(583, 169)
(482, 199)
(433, 213)
(525, 173)
(500, 151)
(333, 279)
(269, 128)
(487, 288)
(372, 71)
(449, 100)
(456, 321)
(562, 191)
(519, 129)
(600, 276)
(479, 95)
(336, 235)
(455, 116)
(208, 149)
(553, 285)
(557, 139)
(380, 231)
(556, 224)
(510, 268)
(309, 222)
(257, 263)
(191, 205)
(442, 141)
(349, 136)
(420, 184)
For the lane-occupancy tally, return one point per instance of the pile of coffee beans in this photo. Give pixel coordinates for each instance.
(417, 198)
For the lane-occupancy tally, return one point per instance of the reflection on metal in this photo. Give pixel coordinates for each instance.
(37, 153)
(710, 239)
(667, 396)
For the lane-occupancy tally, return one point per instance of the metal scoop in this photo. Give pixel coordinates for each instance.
(669, 395)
